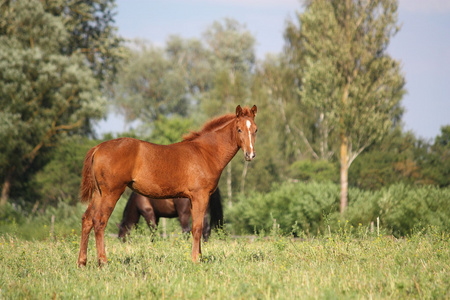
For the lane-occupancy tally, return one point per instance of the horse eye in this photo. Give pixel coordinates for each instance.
(239, 130)
(256, 130)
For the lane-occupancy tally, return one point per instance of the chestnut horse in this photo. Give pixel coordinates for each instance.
(153, 209)
(188, 169)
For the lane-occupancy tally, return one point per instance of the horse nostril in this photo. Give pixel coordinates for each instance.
(254, 155)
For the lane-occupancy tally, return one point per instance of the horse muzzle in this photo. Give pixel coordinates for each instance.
(249, 156)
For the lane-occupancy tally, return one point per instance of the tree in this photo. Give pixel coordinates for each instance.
(91, 32)
(165, 131)
(354, 86)
(435, 160)
(59, 180)
(276, 77)
(232, 46)
(391, 161)
(159, 82)
(46, 91)
(189, 78)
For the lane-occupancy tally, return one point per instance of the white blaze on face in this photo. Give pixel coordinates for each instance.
(249, 124)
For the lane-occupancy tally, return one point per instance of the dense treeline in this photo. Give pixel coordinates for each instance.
(329, 112)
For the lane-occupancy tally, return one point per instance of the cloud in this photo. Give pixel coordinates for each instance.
(426, 6)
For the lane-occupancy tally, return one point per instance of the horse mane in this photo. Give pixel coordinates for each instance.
(215, 124)
(210, 126)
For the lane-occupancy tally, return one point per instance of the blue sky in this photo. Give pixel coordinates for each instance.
(422, 45)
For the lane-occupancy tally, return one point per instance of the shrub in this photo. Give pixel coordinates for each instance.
(319, 171)
(309, 207)
(294, 206)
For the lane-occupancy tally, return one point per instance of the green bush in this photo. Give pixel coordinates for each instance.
(319, 171)
(311, 207)
(295, 207)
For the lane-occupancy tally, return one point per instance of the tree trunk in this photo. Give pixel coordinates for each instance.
(6, 188)
(344, 173)
(229, 190)
(244, 175)
(344, 152)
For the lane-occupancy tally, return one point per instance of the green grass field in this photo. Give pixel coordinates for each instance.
(336, 266)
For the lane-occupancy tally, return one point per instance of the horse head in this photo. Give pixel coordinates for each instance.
(246, 130)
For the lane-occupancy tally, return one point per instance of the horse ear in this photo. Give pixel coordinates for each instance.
(238, 111)
(254, 110)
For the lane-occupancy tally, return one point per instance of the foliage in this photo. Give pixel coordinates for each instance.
(310, 170)
(232, 47)
(274, 89)
(392, 161)
(310, 207)
(347, 74)
(403, 158)
(435, 159)
(59, 180)
(295, 207)
(90, 28)
(51, 64)
(150, 85)
(327, 266)
(166, 131)
(348, 82)
(401, 208)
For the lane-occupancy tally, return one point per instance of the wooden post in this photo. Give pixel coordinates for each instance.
(52, 228)
(164, 227)
(378, 226)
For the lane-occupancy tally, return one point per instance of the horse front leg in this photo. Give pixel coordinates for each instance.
(198, 210)
(149, 215)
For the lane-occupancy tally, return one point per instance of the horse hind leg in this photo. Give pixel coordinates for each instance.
(100, 219)
(86, 227)
(96, 216)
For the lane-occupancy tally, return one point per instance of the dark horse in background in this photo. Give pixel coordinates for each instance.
(188, 169)
(154, 209)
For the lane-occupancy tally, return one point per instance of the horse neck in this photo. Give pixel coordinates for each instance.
(221, 145)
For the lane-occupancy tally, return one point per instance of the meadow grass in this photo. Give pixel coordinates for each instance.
(330, 266)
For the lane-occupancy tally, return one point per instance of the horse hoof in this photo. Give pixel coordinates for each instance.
(81, 264)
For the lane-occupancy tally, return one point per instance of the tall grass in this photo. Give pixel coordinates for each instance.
(327, 266)
(330, 258)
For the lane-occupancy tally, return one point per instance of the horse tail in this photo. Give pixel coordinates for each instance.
(88, 182)
(215, 210)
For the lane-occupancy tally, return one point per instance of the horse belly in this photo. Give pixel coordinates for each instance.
(159, 186)
(164, 208)
(160, 174)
